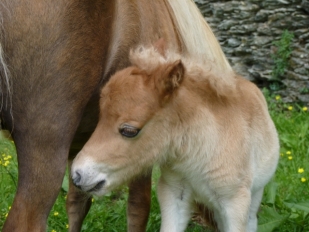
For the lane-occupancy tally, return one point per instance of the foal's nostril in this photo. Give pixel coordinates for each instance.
(100, 184)
(76, 178)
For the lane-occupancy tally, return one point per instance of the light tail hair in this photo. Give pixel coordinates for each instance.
(6, 87)
(5, 82)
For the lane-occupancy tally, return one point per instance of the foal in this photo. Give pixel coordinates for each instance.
(210, 132)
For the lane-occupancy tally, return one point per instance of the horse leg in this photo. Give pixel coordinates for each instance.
(139, 203)
(41, 170)
(78, 204)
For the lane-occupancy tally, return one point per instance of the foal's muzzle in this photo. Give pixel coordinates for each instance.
(80, 182)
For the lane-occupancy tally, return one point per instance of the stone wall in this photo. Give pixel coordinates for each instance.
(246, 30)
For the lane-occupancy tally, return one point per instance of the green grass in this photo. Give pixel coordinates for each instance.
(286, 197)
(8, 175)
(285, 205)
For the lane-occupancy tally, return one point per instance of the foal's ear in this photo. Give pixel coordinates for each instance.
(173, 76)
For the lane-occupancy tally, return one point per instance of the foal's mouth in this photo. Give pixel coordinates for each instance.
(97, 187)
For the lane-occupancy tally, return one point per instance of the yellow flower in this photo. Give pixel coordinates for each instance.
(305, 108)
(53, 231)
(303, 179)
(92, 200)
(67, 226)
(288, 152)
(56, 213)
(278, 97)
(290, 157)
(9, 157)
(290, 108)
(9, 207)
(6, 215)
(301, 170)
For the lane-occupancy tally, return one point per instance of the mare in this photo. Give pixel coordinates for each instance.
(209, 131)
(55, 55)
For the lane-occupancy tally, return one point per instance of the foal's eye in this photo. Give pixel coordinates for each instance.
(128, 131)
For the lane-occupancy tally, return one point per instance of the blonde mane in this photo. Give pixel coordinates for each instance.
(196, 35)
(150, 59)
(147, 21)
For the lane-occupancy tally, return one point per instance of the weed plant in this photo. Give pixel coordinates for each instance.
(282, 54)
(285, 205)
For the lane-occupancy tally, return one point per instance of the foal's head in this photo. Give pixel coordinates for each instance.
(128, 139)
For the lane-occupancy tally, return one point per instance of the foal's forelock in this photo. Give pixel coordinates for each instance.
(149, 59)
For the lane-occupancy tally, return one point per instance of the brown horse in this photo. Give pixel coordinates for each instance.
(55, 55)
(209, 131)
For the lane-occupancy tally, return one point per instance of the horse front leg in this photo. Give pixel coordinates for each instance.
(78, 204)
(139, 203)
(42, 159)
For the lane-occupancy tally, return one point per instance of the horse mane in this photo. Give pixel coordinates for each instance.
(149, 59)
(196, 38)
(196, 34)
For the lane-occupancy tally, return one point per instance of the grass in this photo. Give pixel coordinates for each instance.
(285, 205)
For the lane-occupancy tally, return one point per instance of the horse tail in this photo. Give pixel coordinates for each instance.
(5, 82)
(196, 35)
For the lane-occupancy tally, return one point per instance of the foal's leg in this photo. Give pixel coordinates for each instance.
(78, 204)
(175, 203)
(234, 211)
(139, 203)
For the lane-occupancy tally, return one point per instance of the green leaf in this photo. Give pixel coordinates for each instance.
(304, 206)
(289, 140)
(271, 190)
(269, 219)
(65, 182)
